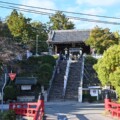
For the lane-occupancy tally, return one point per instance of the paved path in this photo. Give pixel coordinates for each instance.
(75, 111)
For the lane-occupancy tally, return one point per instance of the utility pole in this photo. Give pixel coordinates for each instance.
(37, 45)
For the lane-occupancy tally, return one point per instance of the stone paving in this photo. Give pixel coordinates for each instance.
(75, 111)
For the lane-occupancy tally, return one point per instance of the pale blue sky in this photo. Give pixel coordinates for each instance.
(95, 7)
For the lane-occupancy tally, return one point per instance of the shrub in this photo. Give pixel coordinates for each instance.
(9, 93)
(45, 74)
(48, 59)
(92, 98)
(88, 97)
(8, 115)
(38, 66)
(90, 60)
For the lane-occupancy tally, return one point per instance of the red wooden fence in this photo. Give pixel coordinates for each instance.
(35, 109)
(113, 108)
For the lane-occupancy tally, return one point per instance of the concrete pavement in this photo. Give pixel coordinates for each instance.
(75, 111)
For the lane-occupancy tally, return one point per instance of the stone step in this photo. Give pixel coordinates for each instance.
(56, 93)
(73, 81)
(58, 83)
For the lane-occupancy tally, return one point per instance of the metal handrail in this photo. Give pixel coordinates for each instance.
(81, 80)
(82, 71)
(66, 76)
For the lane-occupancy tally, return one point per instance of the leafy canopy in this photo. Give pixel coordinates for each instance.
(108, 67)
(101, 39)
(59, 21)
(19, 25)
(27, 32)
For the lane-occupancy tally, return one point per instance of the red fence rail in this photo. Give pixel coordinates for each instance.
(35, 109)
(113, 108)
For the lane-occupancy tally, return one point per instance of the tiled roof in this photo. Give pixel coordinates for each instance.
(66, 36)
(25, 81)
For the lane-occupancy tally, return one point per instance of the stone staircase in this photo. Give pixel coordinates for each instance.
(73, 81)
(89, 79)
(58, 83)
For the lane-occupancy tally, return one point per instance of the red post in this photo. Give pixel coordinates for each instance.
(41, 101)
(107, 100)
(40, 108)
(10, 106)
(107, 105)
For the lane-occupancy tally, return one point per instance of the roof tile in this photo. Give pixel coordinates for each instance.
(70, 36)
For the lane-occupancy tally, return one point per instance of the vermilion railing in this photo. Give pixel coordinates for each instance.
(35, 109)
(40, 111)
(113, 108)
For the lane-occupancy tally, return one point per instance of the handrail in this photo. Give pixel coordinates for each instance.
(53, 76)
(82, 71)
(66, 76)
(81, 80)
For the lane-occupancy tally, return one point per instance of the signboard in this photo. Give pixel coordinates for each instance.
(94, 92)
(12, 76)
(26, 87)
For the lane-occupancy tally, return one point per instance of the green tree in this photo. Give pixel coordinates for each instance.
(101, 39)
(115, 80)
(117, 36)
(19, 26)
(4, 30)
(59, 21)
(108, 67)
